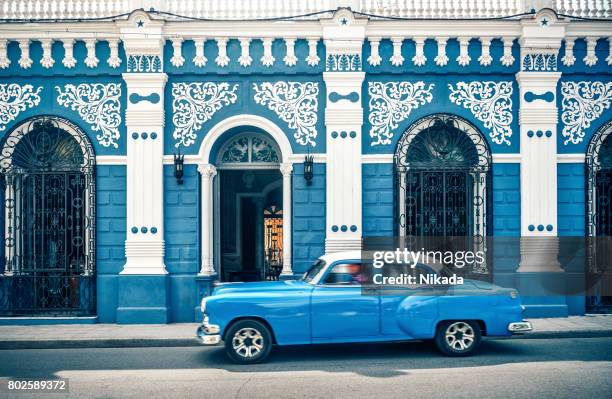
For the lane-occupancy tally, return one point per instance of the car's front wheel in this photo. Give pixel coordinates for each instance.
(248, 341)
(458, 338)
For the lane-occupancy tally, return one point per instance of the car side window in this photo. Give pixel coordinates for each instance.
(344, 274)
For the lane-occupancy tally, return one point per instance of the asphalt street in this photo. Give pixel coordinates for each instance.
(542, 368)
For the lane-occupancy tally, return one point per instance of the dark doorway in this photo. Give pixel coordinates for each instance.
(246, 197)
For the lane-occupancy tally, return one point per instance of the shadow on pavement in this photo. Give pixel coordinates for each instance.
(373, 360)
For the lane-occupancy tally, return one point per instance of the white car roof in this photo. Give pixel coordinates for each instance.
(342, 255)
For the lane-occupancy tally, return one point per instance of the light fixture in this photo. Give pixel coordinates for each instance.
(178, 167)
(308, 173)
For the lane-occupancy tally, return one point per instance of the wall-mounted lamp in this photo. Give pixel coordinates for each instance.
(178, 167)
(308, 174)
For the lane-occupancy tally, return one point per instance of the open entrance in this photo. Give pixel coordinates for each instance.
(251, 224)
(249, 209)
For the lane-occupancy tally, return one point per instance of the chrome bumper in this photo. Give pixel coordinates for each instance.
(208, 334)
(520, 327)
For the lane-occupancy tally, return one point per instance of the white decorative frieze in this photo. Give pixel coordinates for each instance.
(267, 59)
(490, 102)
(91, 61)
(290, 59)
(590, 58)
(113, 60)
(14, 99)
(582, 103)
(374, 59)
(177, 59)
(24, 60)
(99, 105)
(397, 59)
(569, 59)
(392, 102)
(199, 59)
(419, 58)
(485, 58)
(194, 103)
(507, 59)
(245, 59)
(441, 59)
(313, 59)
(46, 60)
(295, 103)
(222, 59)
(463, 58)
(69, 61)
(4, 60)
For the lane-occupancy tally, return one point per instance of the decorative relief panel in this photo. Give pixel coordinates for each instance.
(195, 103)
(343, 63)
(144, 63)
(295, 103)
(539, 62)
(98, 105)
(15, 98)
(391, 103)
(490, 102)
(582, 103)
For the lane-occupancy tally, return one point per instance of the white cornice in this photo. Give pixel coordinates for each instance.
(506, 158)
(571, 158)
(295, 158)
(322, 158)
(111, 160)
(377, 158)
(236, 29)
(432, 29)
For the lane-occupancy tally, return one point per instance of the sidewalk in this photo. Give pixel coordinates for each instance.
(183, 334)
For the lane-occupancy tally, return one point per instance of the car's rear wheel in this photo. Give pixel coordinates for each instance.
(458, 338)
(248, 341)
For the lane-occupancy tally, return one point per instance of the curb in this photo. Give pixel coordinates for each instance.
(186, 342)
(99, 343)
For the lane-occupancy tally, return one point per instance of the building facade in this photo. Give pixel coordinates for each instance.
(148, 154)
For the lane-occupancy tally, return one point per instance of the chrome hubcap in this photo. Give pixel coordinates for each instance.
(248, 342)
(460, 336)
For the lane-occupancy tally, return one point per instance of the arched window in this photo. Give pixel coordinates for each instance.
(442, 167)
(251, 148)
(599, 182)
(599, 219)
(48, 169)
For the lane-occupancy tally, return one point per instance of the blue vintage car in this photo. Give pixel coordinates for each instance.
(324, 307)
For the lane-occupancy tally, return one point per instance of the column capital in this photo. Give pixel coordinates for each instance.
(286, 169)
(207, 170)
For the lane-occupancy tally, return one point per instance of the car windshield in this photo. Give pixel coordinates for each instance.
(313, 271)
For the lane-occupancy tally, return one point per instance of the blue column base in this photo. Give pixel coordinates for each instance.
(543, 294)
(142, 299)
(205, 286)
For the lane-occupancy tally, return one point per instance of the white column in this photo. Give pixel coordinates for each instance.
(207, 172)
(286, 169)
(344, 37)
(145, 245)
(538, 119)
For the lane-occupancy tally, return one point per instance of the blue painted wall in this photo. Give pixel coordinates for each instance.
(110, 230)
(182, 235)
(308, 217)
(506, 199)
(378, 199)
(571, 196)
